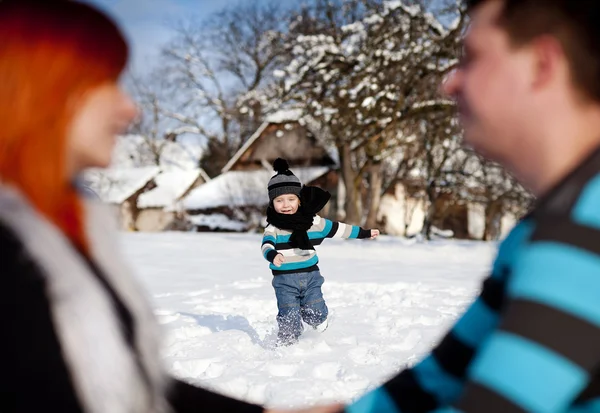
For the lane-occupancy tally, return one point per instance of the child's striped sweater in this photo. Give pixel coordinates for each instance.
(276, 240)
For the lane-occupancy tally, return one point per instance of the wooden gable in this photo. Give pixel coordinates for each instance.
(289, 140)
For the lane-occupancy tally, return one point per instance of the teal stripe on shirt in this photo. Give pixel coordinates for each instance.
(296, 265)
(281, 239)
(511, 247)
(323, 233)
(376, 401)
(586, 210)
(560, 276)
(527, 373)
(269, 238)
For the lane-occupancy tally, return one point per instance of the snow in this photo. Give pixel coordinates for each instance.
(285, 115)
(436, 102)
(374, 19)
(392, 5)
(279, 73)
(116, 185)
(390, 301)
(217, 221)
(241, 188)
(170, 186)
(368, 102)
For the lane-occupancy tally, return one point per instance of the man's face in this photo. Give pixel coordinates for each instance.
(491, 86)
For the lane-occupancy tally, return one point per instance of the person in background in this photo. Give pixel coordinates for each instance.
(78, 334)
(288, 243)
(528, 94)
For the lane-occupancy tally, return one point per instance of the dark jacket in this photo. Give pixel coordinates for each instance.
(77, 333)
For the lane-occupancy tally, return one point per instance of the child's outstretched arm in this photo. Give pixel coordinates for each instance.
(334, 229)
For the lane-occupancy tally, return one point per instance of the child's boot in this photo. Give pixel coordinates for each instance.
(321, 327)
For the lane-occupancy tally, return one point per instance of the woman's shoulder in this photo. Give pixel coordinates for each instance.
(14, 255)
(9, 240)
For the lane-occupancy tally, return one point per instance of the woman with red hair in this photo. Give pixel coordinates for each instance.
(78, 335)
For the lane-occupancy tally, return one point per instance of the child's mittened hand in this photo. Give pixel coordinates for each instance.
(374, 233)
(278, 260)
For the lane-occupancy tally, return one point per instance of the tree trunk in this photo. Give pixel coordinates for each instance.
(487, 230)
(375, 185)
(340, 213)
(493, 216)
(430, 213)
(352, 200)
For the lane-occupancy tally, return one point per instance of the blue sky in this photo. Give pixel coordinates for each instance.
(146, 22)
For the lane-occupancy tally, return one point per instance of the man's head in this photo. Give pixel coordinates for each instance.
(526, 63)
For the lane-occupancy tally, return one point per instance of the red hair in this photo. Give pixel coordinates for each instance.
(51, 54)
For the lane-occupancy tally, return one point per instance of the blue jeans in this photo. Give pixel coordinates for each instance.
(299, 297)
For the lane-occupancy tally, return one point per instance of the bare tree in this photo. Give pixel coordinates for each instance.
(364, 79)
(153, 138)
(150, 124)
(499, 193)
(441, 161)
(212, 69)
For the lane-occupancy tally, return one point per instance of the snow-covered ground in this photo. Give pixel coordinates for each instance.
(390, 300)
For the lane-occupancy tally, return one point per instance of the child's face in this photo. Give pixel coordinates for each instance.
(286, 204)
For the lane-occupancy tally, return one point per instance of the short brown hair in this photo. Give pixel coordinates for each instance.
(575, 23)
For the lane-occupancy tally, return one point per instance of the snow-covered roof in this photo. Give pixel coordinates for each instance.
(217, 221)
(170, 187)
(242, 188)
(116, 185)
(285, 115)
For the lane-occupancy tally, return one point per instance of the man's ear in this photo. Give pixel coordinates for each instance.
(548, 60)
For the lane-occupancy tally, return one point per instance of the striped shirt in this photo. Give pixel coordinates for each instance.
(276, 241)
(530, 342)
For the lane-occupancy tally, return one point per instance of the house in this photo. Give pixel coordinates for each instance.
(403, 208)
(146, 180)
(282, 135)
(236, 199)
(121, 188)
(144, 198)
(158, 206)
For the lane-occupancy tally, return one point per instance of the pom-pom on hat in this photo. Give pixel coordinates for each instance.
(284, 182)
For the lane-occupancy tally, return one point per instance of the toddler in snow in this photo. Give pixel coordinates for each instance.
(288, 244)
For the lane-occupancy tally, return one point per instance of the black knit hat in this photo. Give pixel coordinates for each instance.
(285, 182)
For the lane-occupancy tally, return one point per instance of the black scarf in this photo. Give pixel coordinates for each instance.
(312, 200)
